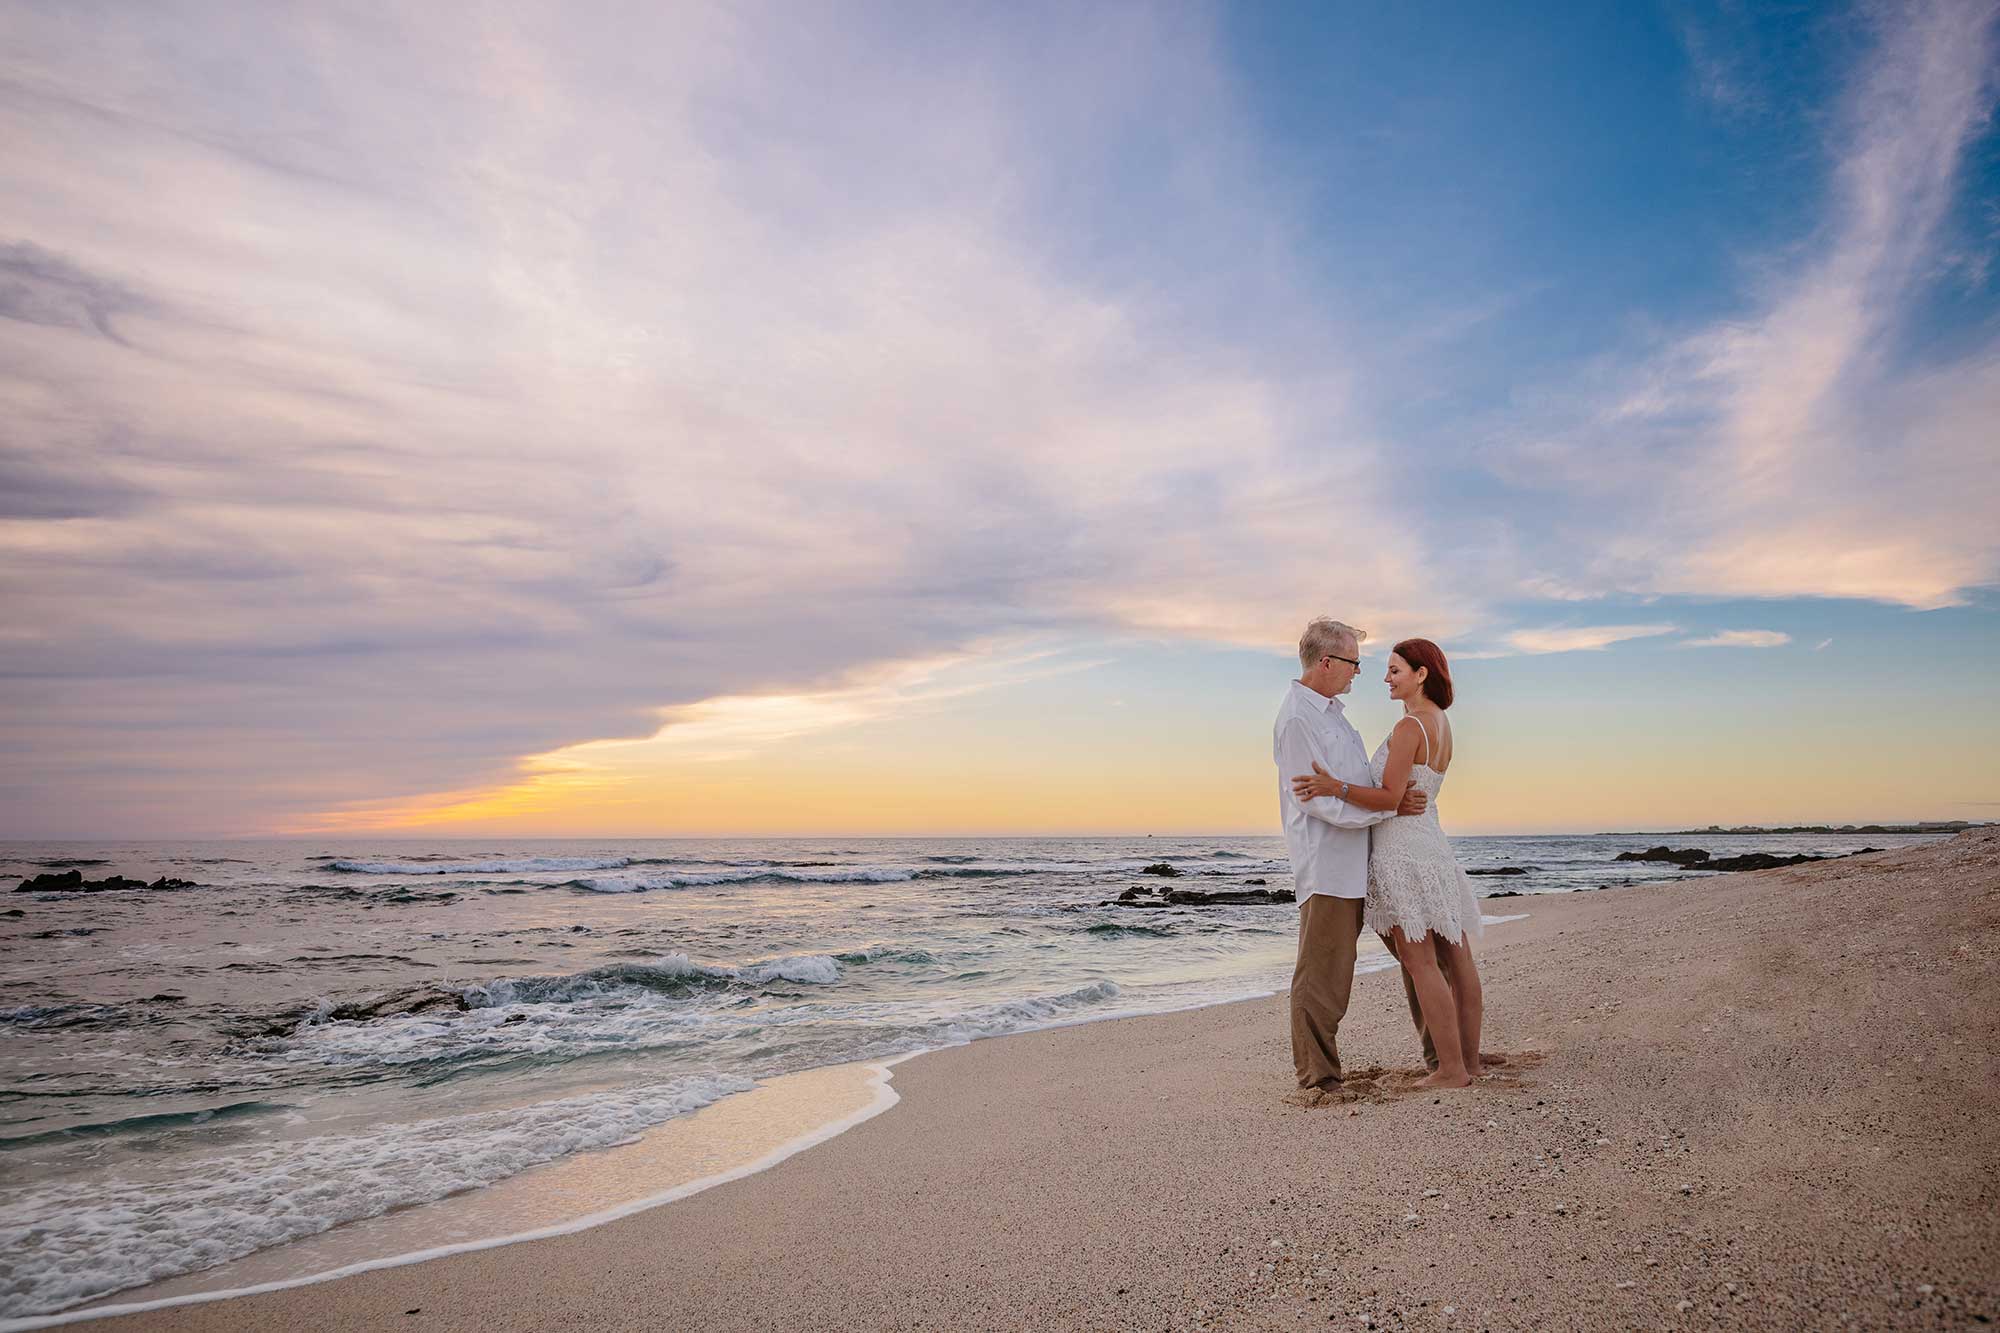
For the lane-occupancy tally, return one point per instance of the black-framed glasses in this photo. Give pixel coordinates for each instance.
(1351, 661)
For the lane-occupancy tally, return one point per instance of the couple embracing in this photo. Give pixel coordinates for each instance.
(1365, 844)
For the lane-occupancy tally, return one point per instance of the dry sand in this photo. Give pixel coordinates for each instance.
(1760, 1100)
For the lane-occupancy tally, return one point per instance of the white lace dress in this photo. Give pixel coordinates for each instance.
(1413, 879)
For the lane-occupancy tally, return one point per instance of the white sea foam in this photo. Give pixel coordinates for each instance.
(81, 1238)
(517, 865)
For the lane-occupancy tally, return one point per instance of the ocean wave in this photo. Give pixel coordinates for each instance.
(698, 879)
(518, 865)
(1022, 1015)
(81, 1238)
(141, 1123)
(615, 1007)
(701, 879)
(64, 1015)
(887, 953)
(672, 972)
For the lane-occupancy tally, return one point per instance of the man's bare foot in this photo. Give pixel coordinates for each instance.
(1444, 1080)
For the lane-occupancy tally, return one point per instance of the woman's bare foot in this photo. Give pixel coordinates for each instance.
(1443, 1080)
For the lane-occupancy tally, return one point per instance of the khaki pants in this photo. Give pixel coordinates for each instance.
(1322, 981)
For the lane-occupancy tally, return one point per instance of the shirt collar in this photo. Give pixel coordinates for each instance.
(1312, 698)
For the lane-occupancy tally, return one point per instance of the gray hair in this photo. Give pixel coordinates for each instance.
(1325, 635)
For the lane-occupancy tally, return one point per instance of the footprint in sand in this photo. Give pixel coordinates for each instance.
(1378, 1083)
(1498, 1070)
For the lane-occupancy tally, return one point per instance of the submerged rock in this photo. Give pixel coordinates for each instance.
(1162, 868)
(1499, 870)
(1194, 898)
(72, 881)
(1147, 895)
(396, 1004)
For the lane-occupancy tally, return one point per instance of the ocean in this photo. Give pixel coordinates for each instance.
(325, 1031)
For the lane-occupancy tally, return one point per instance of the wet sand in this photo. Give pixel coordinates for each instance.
(1759, 1100)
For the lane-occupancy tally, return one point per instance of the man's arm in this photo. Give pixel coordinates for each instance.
(1295, 756)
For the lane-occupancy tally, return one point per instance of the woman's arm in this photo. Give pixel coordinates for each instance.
(1395, 776)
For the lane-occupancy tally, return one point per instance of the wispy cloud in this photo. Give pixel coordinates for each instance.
(1580, 638)
(1822, 645)
(1791, 450)
(708, 368)
(627, 384)
(1742, 638)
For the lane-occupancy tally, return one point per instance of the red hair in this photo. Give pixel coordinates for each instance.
(1424, 653)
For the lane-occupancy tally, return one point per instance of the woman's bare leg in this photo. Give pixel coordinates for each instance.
(1469, 999)
(1440, 1010)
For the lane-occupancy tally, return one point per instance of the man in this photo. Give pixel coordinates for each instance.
(1328, 842)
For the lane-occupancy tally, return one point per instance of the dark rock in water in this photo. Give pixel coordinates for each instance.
(1256, 881)
(1161, 868)
(72, 881)
(1692, 856)
(1759, 861)
(399, 1004)
(1192, 898)
(58, 934)
(13, 911)
(420, 1000)
(1502, 870)
(166, 997)
(1132, 894)
(1505, 893)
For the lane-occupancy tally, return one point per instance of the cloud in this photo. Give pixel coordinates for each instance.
(451, 385)
(1581, 638)
(721, 372)
(1822, 645)
(1800, 447)
(711, 731)
(1742, 638)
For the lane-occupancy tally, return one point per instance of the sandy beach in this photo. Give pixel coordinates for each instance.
(1759, 1100)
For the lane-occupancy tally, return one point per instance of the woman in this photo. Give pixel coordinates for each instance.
(1419, 900)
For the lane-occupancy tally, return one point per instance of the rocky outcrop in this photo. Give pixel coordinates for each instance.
(1498, 870)
(72, 881)
(1162, 868)
(1191, 898)
(1147, 895)
(1692, 856)
(395, 1004)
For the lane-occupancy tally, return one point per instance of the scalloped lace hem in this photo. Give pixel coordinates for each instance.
(1421, 897)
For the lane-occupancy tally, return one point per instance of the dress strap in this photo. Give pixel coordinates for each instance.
(1429, 751)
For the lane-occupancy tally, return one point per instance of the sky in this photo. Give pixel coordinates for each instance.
(601, 420)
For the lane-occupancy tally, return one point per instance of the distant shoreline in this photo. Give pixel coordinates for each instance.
(1945, 826)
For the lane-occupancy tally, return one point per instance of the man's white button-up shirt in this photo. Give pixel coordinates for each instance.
(1327, 837)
